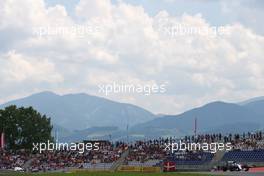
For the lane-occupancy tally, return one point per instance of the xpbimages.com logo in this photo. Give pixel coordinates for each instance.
(209, 147)
(145, 89)
(79, 147)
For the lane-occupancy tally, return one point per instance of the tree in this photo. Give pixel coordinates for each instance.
(23, 127)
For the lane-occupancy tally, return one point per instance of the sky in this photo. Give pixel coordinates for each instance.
(74, 46)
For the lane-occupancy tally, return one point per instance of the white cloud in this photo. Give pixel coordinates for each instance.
(128, 47)
(18, 68)
(249, 13)
(90, 9)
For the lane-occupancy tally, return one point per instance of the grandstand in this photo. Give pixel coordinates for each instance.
(140, 155)
(190, 158)
(247, 148)
(253, 156)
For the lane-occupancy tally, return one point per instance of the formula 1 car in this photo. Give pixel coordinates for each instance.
(233, 166)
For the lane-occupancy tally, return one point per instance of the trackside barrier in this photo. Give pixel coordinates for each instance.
(87, 170)
(139, 169)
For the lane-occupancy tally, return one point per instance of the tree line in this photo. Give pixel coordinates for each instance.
(23, 127)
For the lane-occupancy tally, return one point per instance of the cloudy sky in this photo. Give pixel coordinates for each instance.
(131, 42)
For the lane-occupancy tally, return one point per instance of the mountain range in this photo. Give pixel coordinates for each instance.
(81, 111)
(213, 117)
(81, 116)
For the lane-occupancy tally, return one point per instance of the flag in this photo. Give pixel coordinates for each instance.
(195, 127)
(2, 140)
(169, 166)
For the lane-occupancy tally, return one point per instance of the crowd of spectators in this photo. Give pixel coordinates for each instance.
(61, 159)
(139, 151)
(12, 159)
(142, 151)
(245, 141)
